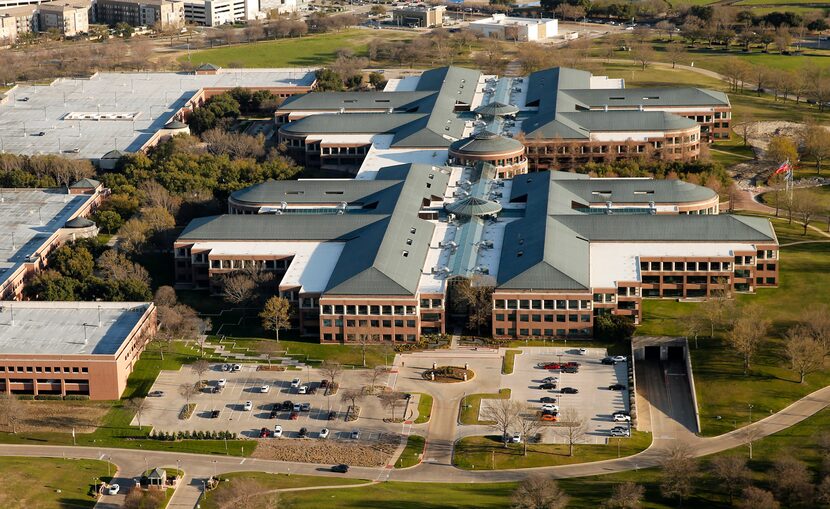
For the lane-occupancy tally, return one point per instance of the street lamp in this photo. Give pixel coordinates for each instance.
(750, 413)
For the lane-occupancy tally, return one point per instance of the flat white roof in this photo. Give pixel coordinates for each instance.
(612, 262)
(28, 217)
(152, 99)
(381, 155)
(67, 328)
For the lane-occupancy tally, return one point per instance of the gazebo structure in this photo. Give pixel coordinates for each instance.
(497, 109)
(473, 207)
(157, 478)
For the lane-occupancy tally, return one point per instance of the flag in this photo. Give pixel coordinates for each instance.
(785, 167)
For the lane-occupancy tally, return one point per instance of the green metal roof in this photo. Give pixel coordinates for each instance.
(668, 228)
(628, 120)
(473, 207)
(486, 142)
(653, 96)
(628, 190)
(351, 123)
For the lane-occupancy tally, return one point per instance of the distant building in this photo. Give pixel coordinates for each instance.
(423, 17)
(18, 21)
(150, 13)
(70, 19)
(72, 348)
(213, 13)
(507, 28)
(283, 6)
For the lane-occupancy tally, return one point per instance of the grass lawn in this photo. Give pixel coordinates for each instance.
(411, 455)
(424, 408)
(488, 452)
(472, 403)
(820, 195)
(267, 482)
(34, 482)
(732, 151)
(770, 386)
(309, 51)
(508, 360)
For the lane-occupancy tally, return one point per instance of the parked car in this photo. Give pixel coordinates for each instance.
(277, 431)
(226, 367)
(247, 406)
(621, 418)
(264, 389)
(236, 367)
(295, 383)
(619, 431)
(222, 381)
(303, 389)
(303, 433)
(332, 415)
(569, 390)
(571, 364)
(551, 365)
(608, 360)
(215, 414)
(287, 405)
(294, 416)
(324, 433)
(550, 407)
(582, 351)
(297, 407)
(516, 438)
(113, 489)
(621, 412)
(156, 394)
(550, 379)
(619, 358)
(547, 399)
(305, 407)
(570, 369)
(263, 433)
(274, 412)
(547, 387)
(549, 417)
(340, 469)
(616, 387)
(355, 435)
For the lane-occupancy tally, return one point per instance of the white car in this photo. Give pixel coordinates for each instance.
(295, 383)
(264, 389)
(221, 382)
(355, 434)
(236, 367)
(303, 389)
(324, 433)
(620, 432)
(113, 489)
(619, 358)
(517, 438)
(622, 418)
(550, 379)
(297, 407)
(550, 407)
(583, 351)
(247, 406)
(277, 431)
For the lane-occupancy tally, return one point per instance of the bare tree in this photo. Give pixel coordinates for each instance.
(627, 495)
(539, 492)
(731, 473)
(476, 294)
(374, 375)
(503, 414)
(200, 367)
(237, 287)
(270, 349)
(572, 427)
(331, 370)
(756, 498)
(352, 396)
(391, 400)
(187, 391)
(817, 320)
(679, 470)
(805, 353)
(791, 481)
(642, 53)
(165, 296)
(815, 143)
(364, 340)
(12, 410)
(137, 405)
(805, 207)
(747, 332)
(694, 326)
(529, 424)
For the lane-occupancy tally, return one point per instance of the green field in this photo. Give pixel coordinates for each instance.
(411, 455)
(488, 452)
(49, 483)
(821, 196)
(266, 482)
(508, 361)
(309, 51)
(471, 405)
(424, 408)
(770, 386)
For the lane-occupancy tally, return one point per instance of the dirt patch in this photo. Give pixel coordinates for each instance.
(46, 416)
(328, 451)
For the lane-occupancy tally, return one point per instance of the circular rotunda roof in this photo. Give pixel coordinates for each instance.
(497, 109)
(473, 207)
(175, 124)
(486, 142)
(79, 222)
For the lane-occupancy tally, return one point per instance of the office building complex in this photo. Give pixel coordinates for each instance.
(220, 12)
(509, 28)
(164, 14)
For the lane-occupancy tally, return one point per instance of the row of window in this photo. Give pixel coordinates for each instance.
(767, 254)
(431, 303)
(368, 323)
(604, 298)
(544, 332)
(686, 266)
(542, 304)
(586, 318)
(361, 151)
(43, 369)
(679, 280)
(340, 309)
(280, 264)
(768, 266)
(744, 260)
(400, 338)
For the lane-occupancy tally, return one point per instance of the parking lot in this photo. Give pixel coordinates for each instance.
(594, 401)
(245, 385)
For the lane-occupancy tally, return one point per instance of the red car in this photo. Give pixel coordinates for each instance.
(295, 416)
(554, 365)
(264, 433)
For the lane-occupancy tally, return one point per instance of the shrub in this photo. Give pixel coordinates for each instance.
(613, 327)
(76, 397)
(48, 397)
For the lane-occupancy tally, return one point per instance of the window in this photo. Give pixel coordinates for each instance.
(374, 310)
(398, 323)
(524, 304)
(436, 303)
(374, 323)
(536, 318)
(424, 303)
(500, 317)
(499, 304)
(387, 323)
(523, 318)
(326, 323)
(410, 323)
(572, 304)
(350, 323)
(499, 332)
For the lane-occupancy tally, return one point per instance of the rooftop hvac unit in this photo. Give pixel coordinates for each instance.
(451, 244)
(482, 269)
(496, 194)
(486, 244)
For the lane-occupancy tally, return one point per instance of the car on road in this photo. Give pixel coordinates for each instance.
(113, 489)
(621, 418)
(619, 358)
(324, 433)
(582, 351)
(303, 433)
(295, 383)
(550, 407)
(340, 469)
(547, 399)
(303, 389)
(294, 416)
(355, 435)
(616, 387)
(287, 405)
(305, 407)
(277, 431)
(263, 433)
(569, 390)
(550, 379)
(236, 367)
(156, 394)
(247, 406)
(214, 414)
(332, 415)
(264, 389)
(608, 360)
(221, 382)
(546, 387)
(619, 431)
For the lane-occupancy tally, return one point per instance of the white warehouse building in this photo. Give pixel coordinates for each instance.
(508, 28)
(213, 13)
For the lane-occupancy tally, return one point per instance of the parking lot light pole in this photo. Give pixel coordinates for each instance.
(750, 413)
